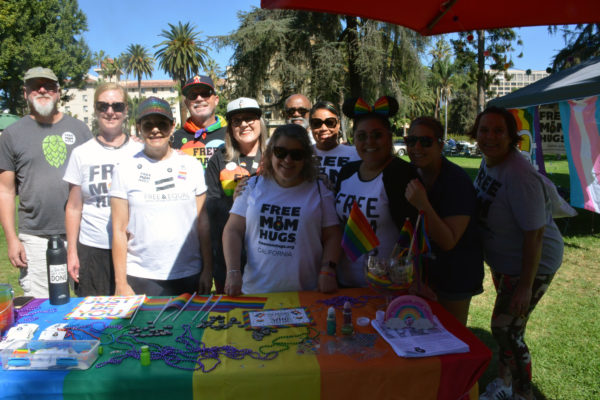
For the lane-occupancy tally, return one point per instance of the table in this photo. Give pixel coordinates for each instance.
(378, 373)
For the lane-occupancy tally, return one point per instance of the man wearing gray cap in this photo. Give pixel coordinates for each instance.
(33, 156)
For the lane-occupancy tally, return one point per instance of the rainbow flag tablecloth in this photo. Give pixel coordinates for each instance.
(376, 374)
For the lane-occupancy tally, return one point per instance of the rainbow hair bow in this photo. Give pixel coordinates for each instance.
(385, 106)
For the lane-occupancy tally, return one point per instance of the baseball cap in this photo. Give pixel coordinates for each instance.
(197, 81)
(154, 106)
(243, 104)
(40, 72)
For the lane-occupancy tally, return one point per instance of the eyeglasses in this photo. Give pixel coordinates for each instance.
(237, 121)
(316, 123)
(362, 136)
(425, 141)
(117, 107)
(162, 125)
(203, 93)
(300, 110)
(48, 86)
(282, 152)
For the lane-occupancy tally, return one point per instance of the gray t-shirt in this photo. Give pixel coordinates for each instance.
(38, 154)
(512, 200)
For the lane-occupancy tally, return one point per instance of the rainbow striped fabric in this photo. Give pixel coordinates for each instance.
(359, 238)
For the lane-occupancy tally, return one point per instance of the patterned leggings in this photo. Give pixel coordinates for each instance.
(509, 330)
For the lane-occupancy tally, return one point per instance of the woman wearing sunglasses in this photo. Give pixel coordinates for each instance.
(446, 196)
(376, 182)
(231, 166)
(521, 243)
(325, 126)
(161, 238)
(87, 214)
(287, 221)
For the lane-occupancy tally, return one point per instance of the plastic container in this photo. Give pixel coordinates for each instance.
(7, 309)
(51, 354)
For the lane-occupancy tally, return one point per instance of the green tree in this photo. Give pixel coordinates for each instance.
(323, 56)
(583, 43)
(492, 48)
(98, 58)
(442, 78)
(181, 54)
(138, 62)
(111, 68)
(41, 32)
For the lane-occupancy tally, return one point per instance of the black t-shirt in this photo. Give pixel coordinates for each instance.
(203, 147)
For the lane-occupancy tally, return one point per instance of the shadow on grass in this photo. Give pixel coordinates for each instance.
(492, 371)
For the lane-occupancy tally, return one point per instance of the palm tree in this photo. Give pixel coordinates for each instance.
(138, 62)
(181, 54)
(213, 70)
(112, 67)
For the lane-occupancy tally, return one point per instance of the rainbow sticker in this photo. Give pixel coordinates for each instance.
(409, 307)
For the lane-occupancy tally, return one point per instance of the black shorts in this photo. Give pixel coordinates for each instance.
(158, 287)
(96, 272)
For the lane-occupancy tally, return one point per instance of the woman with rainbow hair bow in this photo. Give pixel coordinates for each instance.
(376, 182)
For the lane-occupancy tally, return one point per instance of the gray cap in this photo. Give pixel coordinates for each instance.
(243, 104)
(40, 72)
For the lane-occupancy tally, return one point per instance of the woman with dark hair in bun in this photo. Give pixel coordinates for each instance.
(376, 182)
(325, 127)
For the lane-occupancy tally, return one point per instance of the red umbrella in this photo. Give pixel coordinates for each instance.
(432, 17)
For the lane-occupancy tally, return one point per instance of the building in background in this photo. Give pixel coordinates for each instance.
(81, 103)
(518, 79)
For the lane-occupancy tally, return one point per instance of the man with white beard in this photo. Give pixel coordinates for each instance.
(297, 107)
(33, 157)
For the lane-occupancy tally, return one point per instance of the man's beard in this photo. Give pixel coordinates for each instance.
(304, 121)
(45, 110)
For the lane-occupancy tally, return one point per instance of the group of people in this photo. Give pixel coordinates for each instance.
(257, 214)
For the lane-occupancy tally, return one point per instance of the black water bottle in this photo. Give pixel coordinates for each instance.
(58, 276)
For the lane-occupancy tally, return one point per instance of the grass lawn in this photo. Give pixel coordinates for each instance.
(564, 331)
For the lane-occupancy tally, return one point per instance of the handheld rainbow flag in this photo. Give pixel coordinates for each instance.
(359, 237)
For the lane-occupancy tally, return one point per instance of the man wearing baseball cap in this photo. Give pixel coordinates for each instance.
(33, 157)
(203, 132)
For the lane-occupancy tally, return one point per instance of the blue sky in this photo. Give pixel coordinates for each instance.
(115, 24)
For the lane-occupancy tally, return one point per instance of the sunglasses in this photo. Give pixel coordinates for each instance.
(48, 86)
(425, 141)
(316, 123)
(301, 110)
(163, 126)
(117, 107)
(282, 152)
(237, 121)
(203, 93)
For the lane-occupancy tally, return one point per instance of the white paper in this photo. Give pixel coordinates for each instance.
(421, 343)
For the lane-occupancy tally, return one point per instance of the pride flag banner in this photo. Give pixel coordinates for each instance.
(528, 127)
(359, 238)
(580, 120)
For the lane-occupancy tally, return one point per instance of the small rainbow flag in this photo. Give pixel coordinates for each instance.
(359, 237)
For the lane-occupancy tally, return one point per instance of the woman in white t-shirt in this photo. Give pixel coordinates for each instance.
(89, 173)
(161, 237)
(325, 127)
(287, 220)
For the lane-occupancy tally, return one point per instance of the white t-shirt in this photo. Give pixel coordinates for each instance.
(331, 161)
(283, 234)
(91, 167)
(373, 202)
(163, 242)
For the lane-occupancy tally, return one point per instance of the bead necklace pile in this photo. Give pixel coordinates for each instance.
(195, 353)
(29, 312)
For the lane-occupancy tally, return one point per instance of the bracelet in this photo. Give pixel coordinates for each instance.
(328, 273)
(234, 270)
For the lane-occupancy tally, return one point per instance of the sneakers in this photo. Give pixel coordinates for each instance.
(497, 390)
